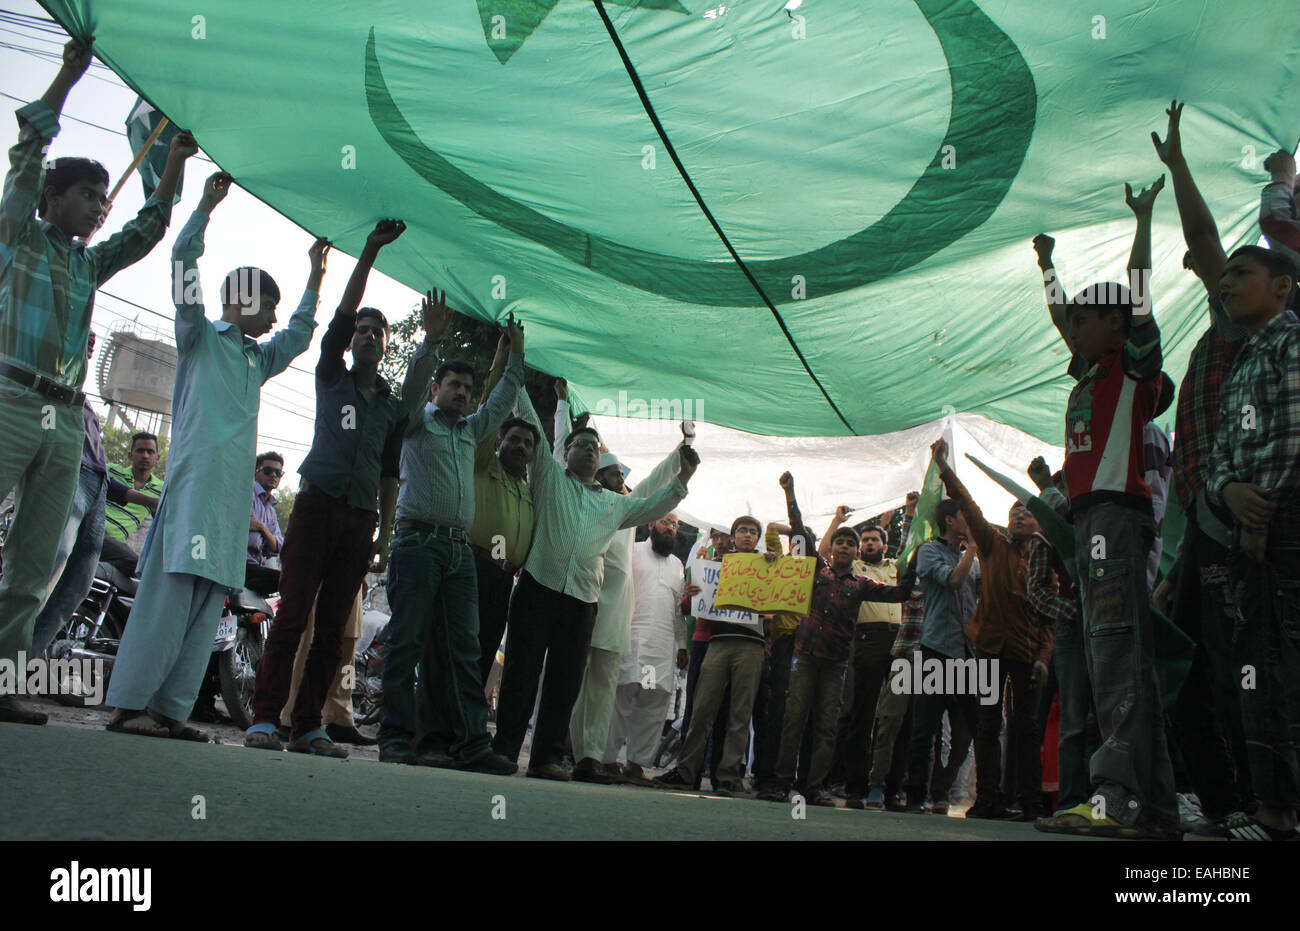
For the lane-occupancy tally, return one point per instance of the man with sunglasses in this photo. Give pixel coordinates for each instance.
(264, 536)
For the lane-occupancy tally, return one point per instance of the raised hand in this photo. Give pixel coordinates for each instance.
(515, 333)
(688, 431)
(435, 315)
(842, 513)
(690, 462)
(76, 57)
(1043, 245)
(317, 254)
(1142, 203)
(561, 390)
(1040, 473)
(786, 481)
(909, 506)
(1171, 150)
(385, 231)
(215, 190)
(1281, 165)
(183, 146)
(939, 451)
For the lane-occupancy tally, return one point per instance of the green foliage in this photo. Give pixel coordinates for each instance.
(284, 505)
(470, 340)
(117, 445)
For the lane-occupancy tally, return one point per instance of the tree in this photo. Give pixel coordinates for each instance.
(117, 447)
(471, 340)
(283, 506)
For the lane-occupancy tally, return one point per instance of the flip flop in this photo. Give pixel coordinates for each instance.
(308, 743)
(137, 722)
(179, 730)
(262, 737)
(1079, 821)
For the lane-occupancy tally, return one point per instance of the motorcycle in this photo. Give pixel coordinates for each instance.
(368, 663)
(95, 629)
(237, 649)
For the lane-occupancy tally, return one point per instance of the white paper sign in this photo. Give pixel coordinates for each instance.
(704, 573)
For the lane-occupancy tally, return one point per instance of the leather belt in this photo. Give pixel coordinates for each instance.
(43, 386)
(486, 555)
(437, 530)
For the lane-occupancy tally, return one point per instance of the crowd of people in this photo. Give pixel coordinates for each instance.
(490, 531)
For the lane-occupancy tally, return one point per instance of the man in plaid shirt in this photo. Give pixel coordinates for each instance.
(1253, 483)
(48, 279)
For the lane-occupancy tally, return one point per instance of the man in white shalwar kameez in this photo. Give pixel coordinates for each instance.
(657, 649)
(195, 552)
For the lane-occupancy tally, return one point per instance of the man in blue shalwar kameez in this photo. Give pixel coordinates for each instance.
(195, 551)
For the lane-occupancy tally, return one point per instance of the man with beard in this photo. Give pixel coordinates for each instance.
(553, 609)
(658, 639)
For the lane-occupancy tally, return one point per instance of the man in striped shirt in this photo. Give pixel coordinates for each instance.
(48, 279)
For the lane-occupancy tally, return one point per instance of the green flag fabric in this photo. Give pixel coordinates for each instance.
(924, 525)
(140, 124)
(743, 204)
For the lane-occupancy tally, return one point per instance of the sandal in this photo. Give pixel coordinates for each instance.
(318, 742)
(1079, 821)
(262, 737)
(179, 730)
(139, 723)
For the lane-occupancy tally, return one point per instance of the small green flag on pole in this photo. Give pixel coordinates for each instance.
(140, 126)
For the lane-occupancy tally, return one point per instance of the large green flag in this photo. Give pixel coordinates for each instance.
(758, 208)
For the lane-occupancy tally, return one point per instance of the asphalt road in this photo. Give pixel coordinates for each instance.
(80, 782)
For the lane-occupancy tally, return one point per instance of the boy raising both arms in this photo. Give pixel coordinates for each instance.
(48, 279)
(195, 551)
(1117, 362)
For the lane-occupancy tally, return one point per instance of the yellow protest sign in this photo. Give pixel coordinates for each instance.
(750, 583)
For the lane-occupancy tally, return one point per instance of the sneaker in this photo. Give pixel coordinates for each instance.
(1191, 816)
(492, 764)
(939, 808)
(548, 771)
(349, 735)
(588, 770)
(673, 779)
(875, 800)
(12, 712)
(1241, 826)
(993, 812)
(822, 799)
(439, 759)
(857, 803)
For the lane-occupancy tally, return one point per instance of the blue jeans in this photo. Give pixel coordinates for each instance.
(433, 588)
(1078, 739)
(83, 535)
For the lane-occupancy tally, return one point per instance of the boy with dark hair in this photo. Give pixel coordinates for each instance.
(733, 664)
(1117, 363)
(1253, 482)
(823, 642)
(196, 548)
(352, 466)
(48, 279)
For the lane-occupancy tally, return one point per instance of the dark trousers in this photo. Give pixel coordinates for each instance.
(1268, 645)
(121, 556)
(769, 709)
(326, 550)
(433, 708)
(927, 712)
(870, 664)
(1206, 724)
(718, 734)
(551, 629)
(433, 591)
(1023, 746)
(264, 580)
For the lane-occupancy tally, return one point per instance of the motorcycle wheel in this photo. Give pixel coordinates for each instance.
(73, 635)
(367, 696)
(238, 670)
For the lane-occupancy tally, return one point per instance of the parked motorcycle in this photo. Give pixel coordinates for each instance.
(237, 649)
(368, 663)
(95, 629)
